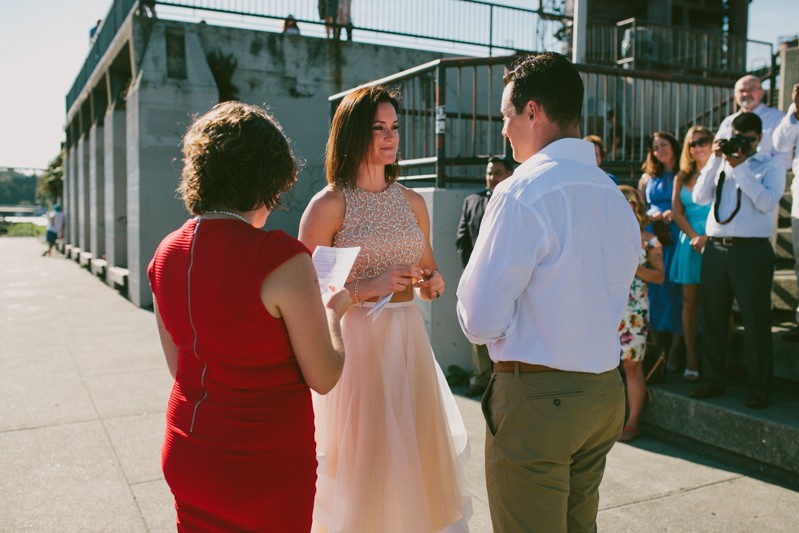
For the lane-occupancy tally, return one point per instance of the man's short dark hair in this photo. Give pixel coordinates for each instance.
(551, 81)
(501, 160)
(748, 122)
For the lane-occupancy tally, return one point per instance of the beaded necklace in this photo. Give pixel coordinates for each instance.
(228, 213)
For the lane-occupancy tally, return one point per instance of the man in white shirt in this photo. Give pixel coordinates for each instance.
(545, 289)
(749, 96)
(55, 228)
(786, 139)
(745, 187)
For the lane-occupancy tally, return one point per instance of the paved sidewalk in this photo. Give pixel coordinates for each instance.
(83, 389)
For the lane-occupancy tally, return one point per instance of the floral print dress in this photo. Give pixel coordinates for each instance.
(634, 325)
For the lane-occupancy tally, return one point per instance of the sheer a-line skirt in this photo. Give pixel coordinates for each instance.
(391, 442)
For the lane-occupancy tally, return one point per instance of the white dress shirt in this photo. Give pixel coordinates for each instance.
(550, 274)
(761, 180)
(786, 139)
(770, 118)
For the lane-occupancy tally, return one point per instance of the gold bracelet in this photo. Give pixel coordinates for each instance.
(357, 300)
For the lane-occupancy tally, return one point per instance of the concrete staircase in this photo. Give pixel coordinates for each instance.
(785, 293)
(765, 440)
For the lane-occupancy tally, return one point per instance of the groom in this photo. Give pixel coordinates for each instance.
(545, 289)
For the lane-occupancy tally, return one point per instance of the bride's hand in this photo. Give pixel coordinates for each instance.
(432, 284)
(396, 278)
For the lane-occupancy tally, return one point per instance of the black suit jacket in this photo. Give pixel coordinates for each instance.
(474, 207)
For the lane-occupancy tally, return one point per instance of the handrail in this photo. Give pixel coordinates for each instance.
(450, 121)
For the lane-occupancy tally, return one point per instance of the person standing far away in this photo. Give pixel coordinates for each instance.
(290, 26)
(147, 6)
(744, 186)
(786, 139)
(55, 228)
(749, 96)
(474, 207)
(691, 218)
(545, 288)
(599, 150)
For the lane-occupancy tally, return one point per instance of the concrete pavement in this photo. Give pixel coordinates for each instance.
(83, 389)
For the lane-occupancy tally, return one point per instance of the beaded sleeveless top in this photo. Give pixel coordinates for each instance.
(384, 226)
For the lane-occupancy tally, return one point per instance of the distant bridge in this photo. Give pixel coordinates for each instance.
(12, 210)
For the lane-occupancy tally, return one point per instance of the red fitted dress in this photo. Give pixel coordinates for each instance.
(239, 451)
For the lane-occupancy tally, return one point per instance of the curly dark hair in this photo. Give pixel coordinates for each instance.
(236, 156)
(550, 80)
(351, 134)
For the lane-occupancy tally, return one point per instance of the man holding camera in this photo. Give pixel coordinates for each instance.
(744, 186)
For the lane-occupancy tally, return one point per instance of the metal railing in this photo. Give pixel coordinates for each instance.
(450, 122)
(449, 117)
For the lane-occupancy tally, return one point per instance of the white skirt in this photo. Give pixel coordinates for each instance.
(390, 440)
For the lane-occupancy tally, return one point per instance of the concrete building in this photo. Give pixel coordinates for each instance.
(123, 158)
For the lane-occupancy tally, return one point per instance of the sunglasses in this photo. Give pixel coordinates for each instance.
(700, 142)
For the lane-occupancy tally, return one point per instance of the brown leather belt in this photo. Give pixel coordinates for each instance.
(524, 368)
(733, 241)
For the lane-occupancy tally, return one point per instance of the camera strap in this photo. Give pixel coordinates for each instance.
(727, 220)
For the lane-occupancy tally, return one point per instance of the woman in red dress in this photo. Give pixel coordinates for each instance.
(245, 334)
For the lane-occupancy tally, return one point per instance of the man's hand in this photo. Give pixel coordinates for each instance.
(735, 159)
(717, 147)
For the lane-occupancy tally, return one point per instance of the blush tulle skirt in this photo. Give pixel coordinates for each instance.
(391, 441)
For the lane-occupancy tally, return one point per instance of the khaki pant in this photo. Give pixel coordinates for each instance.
(546, 441)
(481, 365)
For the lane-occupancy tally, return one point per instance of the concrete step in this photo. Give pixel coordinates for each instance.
(99, 267)
(784, 210)
(85, 258)
(784, 247)
(118, 276)
(784, 294)
(726, 426)
(769, 438)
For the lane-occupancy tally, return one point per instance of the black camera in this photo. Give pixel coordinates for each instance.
(737, 144)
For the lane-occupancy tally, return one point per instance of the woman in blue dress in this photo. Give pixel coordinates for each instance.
(657, 185)
(691, 219)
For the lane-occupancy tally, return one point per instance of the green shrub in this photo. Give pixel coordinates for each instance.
(22, 229)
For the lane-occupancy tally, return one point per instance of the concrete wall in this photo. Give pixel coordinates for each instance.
(82, 203)
(116, 194)
(159, 108)
(97, 190)
(441, 320)
(71, 194)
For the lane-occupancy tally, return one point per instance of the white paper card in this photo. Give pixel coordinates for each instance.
(375, 311)
(333, 265)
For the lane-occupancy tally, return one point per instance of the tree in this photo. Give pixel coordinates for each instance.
(50, 185)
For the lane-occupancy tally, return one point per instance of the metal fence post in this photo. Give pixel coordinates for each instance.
(441, 124)
(491, 30)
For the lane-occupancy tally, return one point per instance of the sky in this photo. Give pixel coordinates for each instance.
(43, 44)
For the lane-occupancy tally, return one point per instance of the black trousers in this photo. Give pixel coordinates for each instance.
(744, 271)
